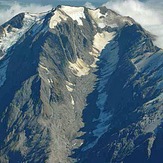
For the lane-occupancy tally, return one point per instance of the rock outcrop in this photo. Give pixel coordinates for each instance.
(79, 85)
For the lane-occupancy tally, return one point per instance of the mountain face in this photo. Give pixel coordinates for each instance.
(79, 85)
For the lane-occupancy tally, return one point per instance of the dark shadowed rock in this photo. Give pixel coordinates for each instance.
(79, 85)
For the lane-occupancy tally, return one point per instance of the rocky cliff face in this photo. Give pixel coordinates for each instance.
(79, 85)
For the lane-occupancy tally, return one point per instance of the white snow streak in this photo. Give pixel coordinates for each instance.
(65, 12)
(10, 38)
(99, 43)
(79, 68)
(111, 58)
(76, 13)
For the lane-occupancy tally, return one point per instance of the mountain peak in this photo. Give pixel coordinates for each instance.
(101, 16)
(79, 84)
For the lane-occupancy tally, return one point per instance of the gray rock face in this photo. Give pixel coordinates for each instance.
(79, 85)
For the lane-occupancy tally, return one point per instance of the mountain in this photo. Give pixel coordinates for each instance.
(79, 85)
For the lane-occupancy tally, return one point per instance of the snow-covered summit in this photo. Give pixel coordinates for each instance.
(102, 17)
(62, 13)
(77, 69)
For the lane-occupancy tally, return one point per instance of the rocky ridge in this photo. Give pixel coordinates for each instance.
(75, 70)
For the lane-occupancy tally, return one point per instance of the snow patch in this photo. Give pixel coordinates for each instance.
(97, 17)
(10, 38)
(150, 145)
(76, 13)
(79, 68)
(15, 34)
(69, 88)
(50, 81)
(43, 67)
(57, 18)
(63, 13)
(93, 65)
(69, 83)
(110, 59)
(101, 40)
(72, 101)
(99, 43)
(37, 27)
(109, 19)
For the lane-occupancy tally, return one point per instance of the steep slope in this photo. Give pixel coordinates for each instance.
(126, 110)
(73, 70)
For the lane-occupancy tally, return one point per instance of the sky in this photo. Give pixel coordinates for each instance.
(149, 13)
